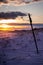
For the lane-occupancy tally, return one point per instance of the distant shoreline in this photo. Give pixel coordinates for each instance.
(35, 29)
(21, 24)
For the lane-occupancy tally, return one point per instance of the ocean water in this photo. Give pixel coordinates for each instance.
(4, 34)
(37, 25)
(28, 26)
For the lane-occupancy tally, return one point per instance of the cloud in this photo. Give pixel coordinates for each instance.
(36, 0)
(3, 1)
(11, 15)
(18, 2)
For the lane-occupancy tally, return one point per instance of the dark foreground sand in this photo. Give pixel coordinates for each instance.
(18, 47)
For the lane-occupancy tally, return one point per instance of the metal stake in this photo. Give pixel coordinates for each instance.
(33, 33)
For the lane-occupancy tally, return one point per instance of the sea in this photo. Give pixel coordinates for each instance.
(4, 34)
(37, 25)
(28, 26)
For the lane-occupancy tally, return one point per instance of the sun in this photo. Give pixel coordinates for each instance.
(5, 27)
(5, 24)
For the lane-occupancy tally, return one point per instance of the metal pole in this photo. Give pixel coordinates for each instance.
(33, 32)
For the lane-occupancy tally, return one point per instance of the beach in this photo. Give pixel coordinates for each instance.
(18, 47)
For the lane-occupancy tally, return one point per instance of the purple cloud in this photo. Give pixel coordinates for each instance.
(11, 15)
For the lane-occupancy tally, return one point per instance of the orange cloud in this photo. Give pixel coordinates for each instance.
(18, 2)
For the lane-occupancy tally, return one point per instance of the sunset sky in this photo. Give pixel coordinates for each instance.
(34, 7)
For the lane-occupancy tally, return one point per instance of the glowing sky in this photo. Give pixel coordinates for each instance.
(35, 7)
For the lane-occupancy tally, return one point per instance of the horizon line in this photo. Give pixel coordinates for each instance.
(21, 23)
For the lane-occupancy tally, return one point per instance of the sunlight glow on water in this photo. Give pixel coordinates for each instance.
(7, 34)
